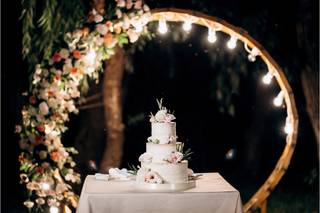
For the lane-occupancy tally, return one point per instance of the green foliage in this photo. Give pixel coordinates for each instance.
(44, 24)
(133, 169)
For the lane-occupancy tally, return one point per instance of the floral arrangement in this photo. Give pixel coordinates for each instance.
(152, 177)
(174, 157)
(47, 167)
(179, 155)
(163, 115)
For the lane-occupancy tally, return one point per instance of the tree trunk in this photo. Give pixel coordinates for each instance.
(113, 111)
(310, 82)
(307, 43)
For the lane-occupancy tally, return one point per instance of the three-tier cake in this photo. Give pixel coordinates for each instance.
(164, 165)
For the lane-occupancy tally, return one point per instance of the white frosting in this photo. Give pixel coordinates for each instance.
(160, 151)
(163, 132)
(169, 172)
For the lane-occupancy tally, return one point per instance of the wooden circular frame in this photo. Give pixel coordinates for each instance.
(258, 200)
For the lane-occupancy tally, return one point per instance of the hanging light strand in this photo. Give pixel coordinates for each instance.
(212, 36)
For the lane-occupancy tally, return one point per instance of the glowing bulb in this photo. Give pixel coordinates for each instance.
(279, 99)
(45, 186)
(212, 37)
(288, 128)
(54, 209)
(187, 25)
(162, 26)
(232, 43)
(267, 78)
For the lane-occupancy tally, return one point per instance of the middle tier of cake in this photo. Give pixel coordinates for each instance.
(160, 152)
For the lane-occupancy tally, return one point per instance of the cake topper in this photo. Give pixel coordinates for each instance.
(163, 115)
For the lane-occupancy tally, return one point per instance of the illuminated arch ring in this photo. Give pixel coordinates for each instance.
(258, 200)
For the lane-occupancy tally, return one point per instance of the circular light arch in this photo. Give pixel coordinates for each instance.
(258, 200)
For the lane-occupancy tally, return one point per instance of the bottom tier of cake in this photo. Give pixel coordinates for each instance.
(163, 172)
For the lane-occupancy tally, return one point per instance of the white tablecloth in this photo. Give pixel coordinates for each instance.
(211, 194)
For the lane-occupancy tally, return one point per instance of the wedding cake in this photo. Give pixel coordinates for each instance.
(164, 165)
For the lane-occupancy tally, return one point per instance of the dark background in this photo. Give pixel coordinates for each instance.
(184, 72)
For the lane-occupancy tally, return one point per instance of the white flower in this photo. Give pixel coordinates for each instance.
(121, 3)
(98, 18)
(43, 108)
(102, 29)
(118, 13)
(133, 35)
(146, 8)
(29, 204)
(161, 115)
(153, 177)
(60, 188)
(175, 157)
(146, 158)
(138, 5)
(64, 53)
(40, 201)
(129, 4)
(53, 102)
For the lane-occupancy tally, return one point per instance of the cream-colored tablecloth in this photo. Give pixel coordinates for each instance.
(211, 194)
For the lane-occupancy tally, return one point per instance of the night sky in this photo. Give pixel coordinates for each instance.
(185, 71)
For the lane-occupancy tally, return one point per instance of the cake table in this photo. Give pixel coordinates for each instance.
(211, 194)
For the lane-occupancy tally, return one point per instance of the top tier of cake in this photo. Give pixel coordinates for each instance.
(163, 133)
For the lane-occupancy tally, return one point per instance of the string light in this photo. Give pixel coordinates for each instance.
(45, 186)
(288, 128)
(253, 54)
(187, 25)
(232, 43)
(266, 79)
(162, 26)
(212, 37)
(54, 209)
(279, 99)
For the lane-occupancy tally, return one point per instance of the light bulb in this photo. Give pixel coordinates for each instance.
(212, 37)
(288, 129)
(45, 186)
(187, 25)
(54, 209)
(162, 26)
(266, 79)
(277, 101)
(232, 43)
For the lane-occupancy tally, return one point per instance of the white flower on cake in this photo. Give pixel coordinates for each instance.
(174, 157)
(163, 115)
(153, 177)
(145, 157)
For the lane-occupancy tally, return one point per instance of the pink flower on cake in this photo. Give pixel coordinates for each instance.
(175, 157)
(169, 118)
(153, 177)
